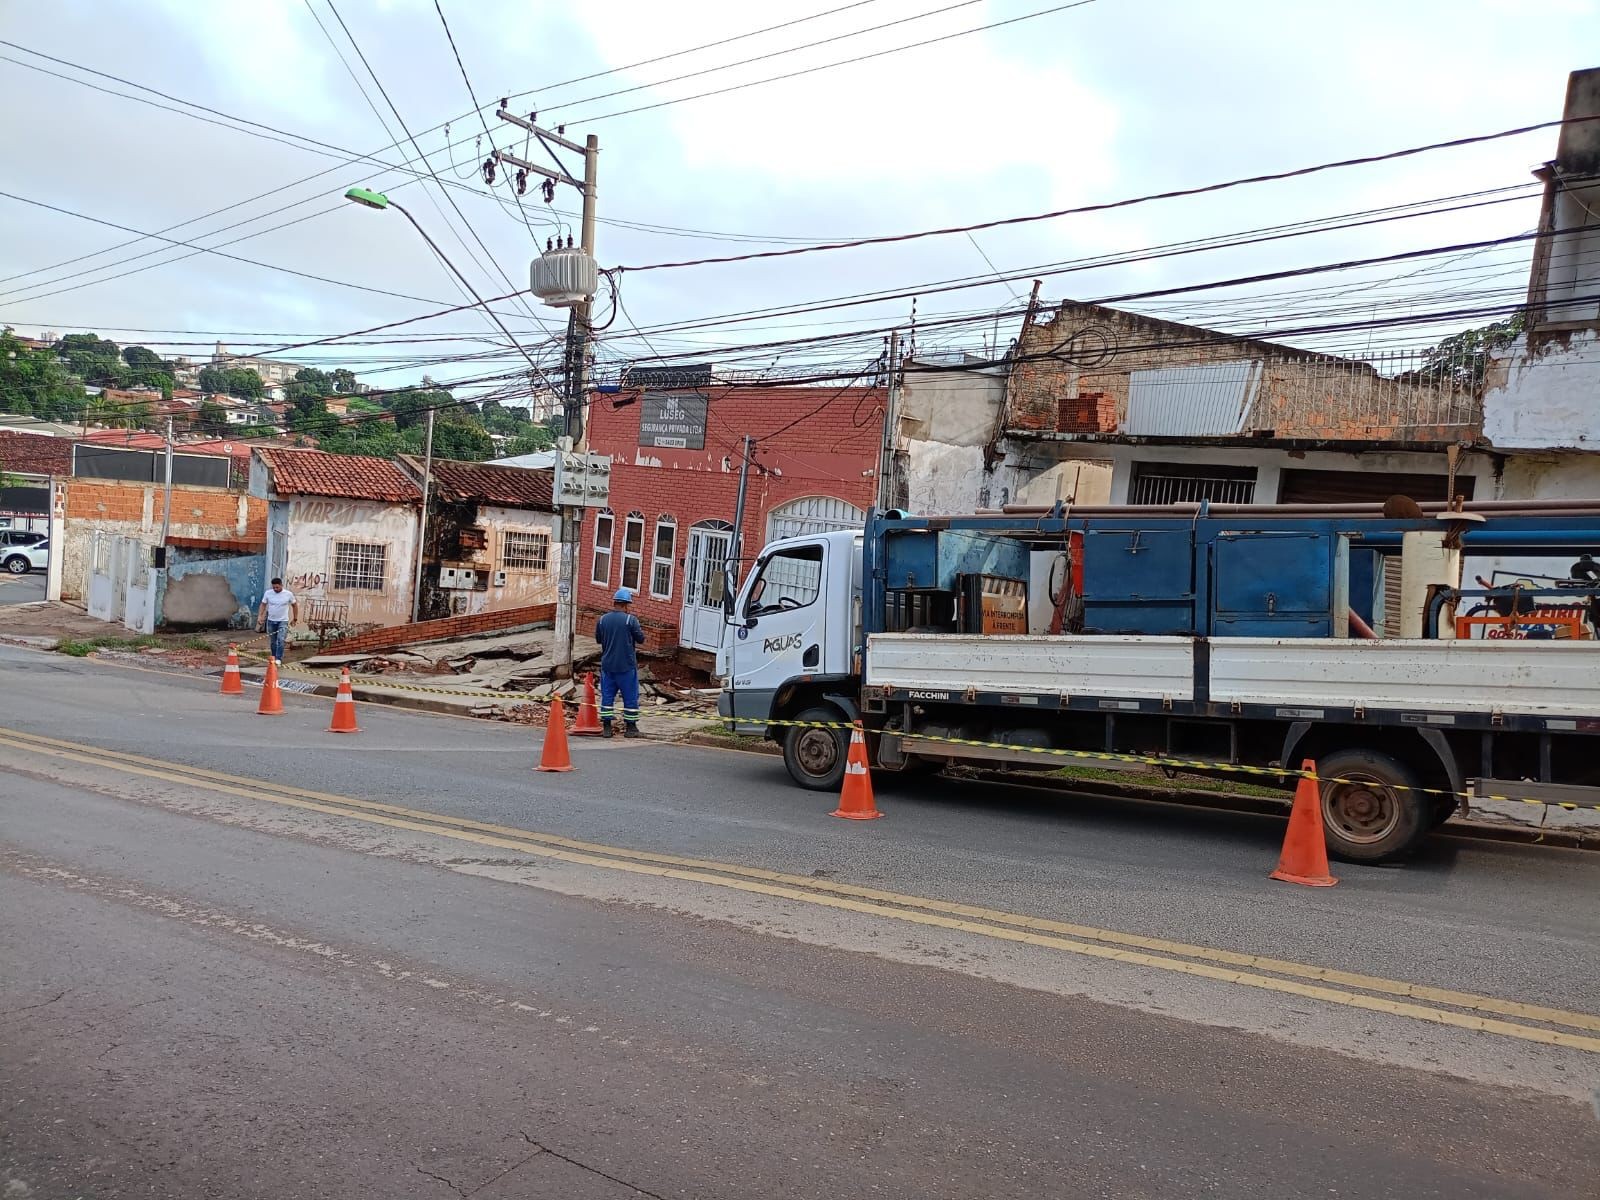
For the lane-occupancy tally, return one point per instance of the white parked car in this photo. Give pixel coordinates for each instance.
(19, 560)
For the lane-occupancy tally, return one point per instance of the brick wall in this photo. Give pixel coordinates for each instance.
(214, 511)
(831, 451)
(443, 630)
(1080, 352)
(1087, 412)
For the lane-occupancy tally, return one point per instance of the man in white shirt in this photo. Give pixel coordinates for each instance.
(279, 610)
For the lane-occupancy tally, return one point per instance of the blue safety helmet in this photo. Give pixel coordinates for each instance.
(623, 596)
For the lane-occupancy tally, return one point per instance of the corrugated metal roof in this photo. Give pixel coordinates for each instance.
(1199, 400)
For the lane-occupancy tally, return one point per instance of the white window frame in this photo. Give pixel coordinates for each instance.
(602, 553)
(525, 551)
(658, 561)
(361, 572)
(635, 558)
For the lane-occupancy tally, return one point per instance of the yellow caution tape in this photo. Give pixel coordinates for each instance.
(1279, 774)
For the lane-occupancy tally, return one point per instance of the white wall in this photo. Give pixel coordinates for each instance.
(1545, 399)
(315, 523)
(1270, 465)
(946, 420)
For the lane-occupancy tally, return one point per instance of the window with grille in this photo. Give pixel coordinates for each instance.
(1188, 483)
(604, 531)
(632, 550)
(661, 558)
(525, 551)
(358, 566)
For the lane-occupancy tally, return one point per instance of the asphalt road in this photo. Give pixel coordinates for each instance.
(226, 970)
(21, 589)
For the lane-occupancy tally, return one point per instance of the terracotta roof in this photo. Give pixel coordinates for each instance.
(34, 453)
(512, 487)
(318, 473)
(132, 439)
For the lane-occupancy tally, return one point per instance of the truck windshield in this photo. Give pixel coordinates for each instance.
(789, 579)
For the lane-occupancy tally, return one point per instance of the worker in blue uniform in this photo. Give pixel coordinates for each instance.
(619, 634)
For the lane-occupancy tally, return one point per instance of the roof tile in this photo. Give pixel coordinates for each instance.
(512, 487)
(34, 453)
(354, 476)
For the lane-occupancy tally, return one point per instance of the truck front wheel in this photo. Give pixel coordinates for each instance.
(1372, 806)
(816, 757)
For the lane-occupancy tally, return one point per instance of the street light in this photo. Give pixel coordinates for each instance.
(370, 199)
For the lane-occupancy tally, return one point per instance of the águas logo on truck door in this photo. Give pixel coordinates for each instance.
(777, 645)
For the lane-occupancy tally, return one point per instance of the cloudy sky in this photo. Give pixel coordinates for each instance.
(1098, 102)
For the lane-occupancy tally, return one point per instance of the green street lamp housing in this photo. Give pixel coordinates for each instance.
(369, 198)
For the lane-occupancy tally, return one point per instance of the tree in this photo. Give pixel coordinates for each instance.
(344, 380)
(461, 439)
(212, 417)
(410, 407)
(1463, 358)
(35, 383)
(147, 367)
(232, 381)
(94, 360)
(536, 439)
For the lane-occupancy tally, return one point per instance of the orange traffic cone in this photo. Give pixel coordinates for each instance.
(344, 707)
(232, 684)
(1305, 846)
(271, 698)
(588, 724)
(855, 801)
(554, 756)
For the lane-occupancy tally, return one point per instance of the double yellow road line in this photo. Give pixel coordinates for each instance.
(1435, 1005)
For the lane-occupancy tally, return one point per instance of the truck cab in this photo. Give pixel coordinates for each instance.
(793, 632)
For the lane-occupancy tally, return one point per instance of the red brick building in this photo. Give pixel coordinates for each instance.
(675, 483)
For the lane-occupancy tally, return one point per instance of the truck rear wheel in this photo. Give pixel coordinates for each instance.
(1372, 806)
(816, 757)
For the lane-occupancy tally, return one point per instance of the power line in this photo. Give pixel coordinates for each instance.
(738, 37)
(1129, 202)
(860, 58)
(744, 62)
(360, 287)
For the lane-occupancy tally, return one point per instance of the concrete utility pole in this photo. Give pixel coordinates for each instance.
(731, 579)
(575, 389)
(422, 525)
(891, 431)
(166, 501)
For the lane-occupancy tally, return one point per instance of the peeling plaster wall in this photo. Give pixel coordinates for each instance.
(1545, 396)
(947, 418)
(315, 523)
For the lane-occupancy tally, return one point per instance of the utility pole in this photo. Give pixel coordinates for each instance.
(422, 525)
(575, 389)
(166, 501)
(891, 430)
(731, 577)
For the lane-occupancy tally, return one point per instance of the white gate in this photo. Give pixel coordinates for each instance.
(813, 514)
(700, 623)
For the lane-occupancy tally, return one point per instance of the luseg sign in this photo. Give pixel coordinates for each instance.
(673, 420)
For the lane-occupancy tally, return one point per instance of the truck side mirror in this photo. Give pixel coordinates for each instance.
(728, 598)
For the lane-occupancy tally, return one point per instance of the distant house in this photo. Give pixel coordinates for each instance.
(493, 541)
(341, 530)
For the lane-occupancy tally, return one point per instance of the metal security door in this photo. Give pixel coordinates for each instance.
(700, 623)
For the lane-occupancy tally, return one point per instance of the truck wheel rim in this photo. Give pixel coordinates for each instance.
(817, 751)
(1361, 808)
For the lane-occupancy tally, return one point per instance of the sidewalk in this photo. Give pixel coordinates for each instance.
(44, 623)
